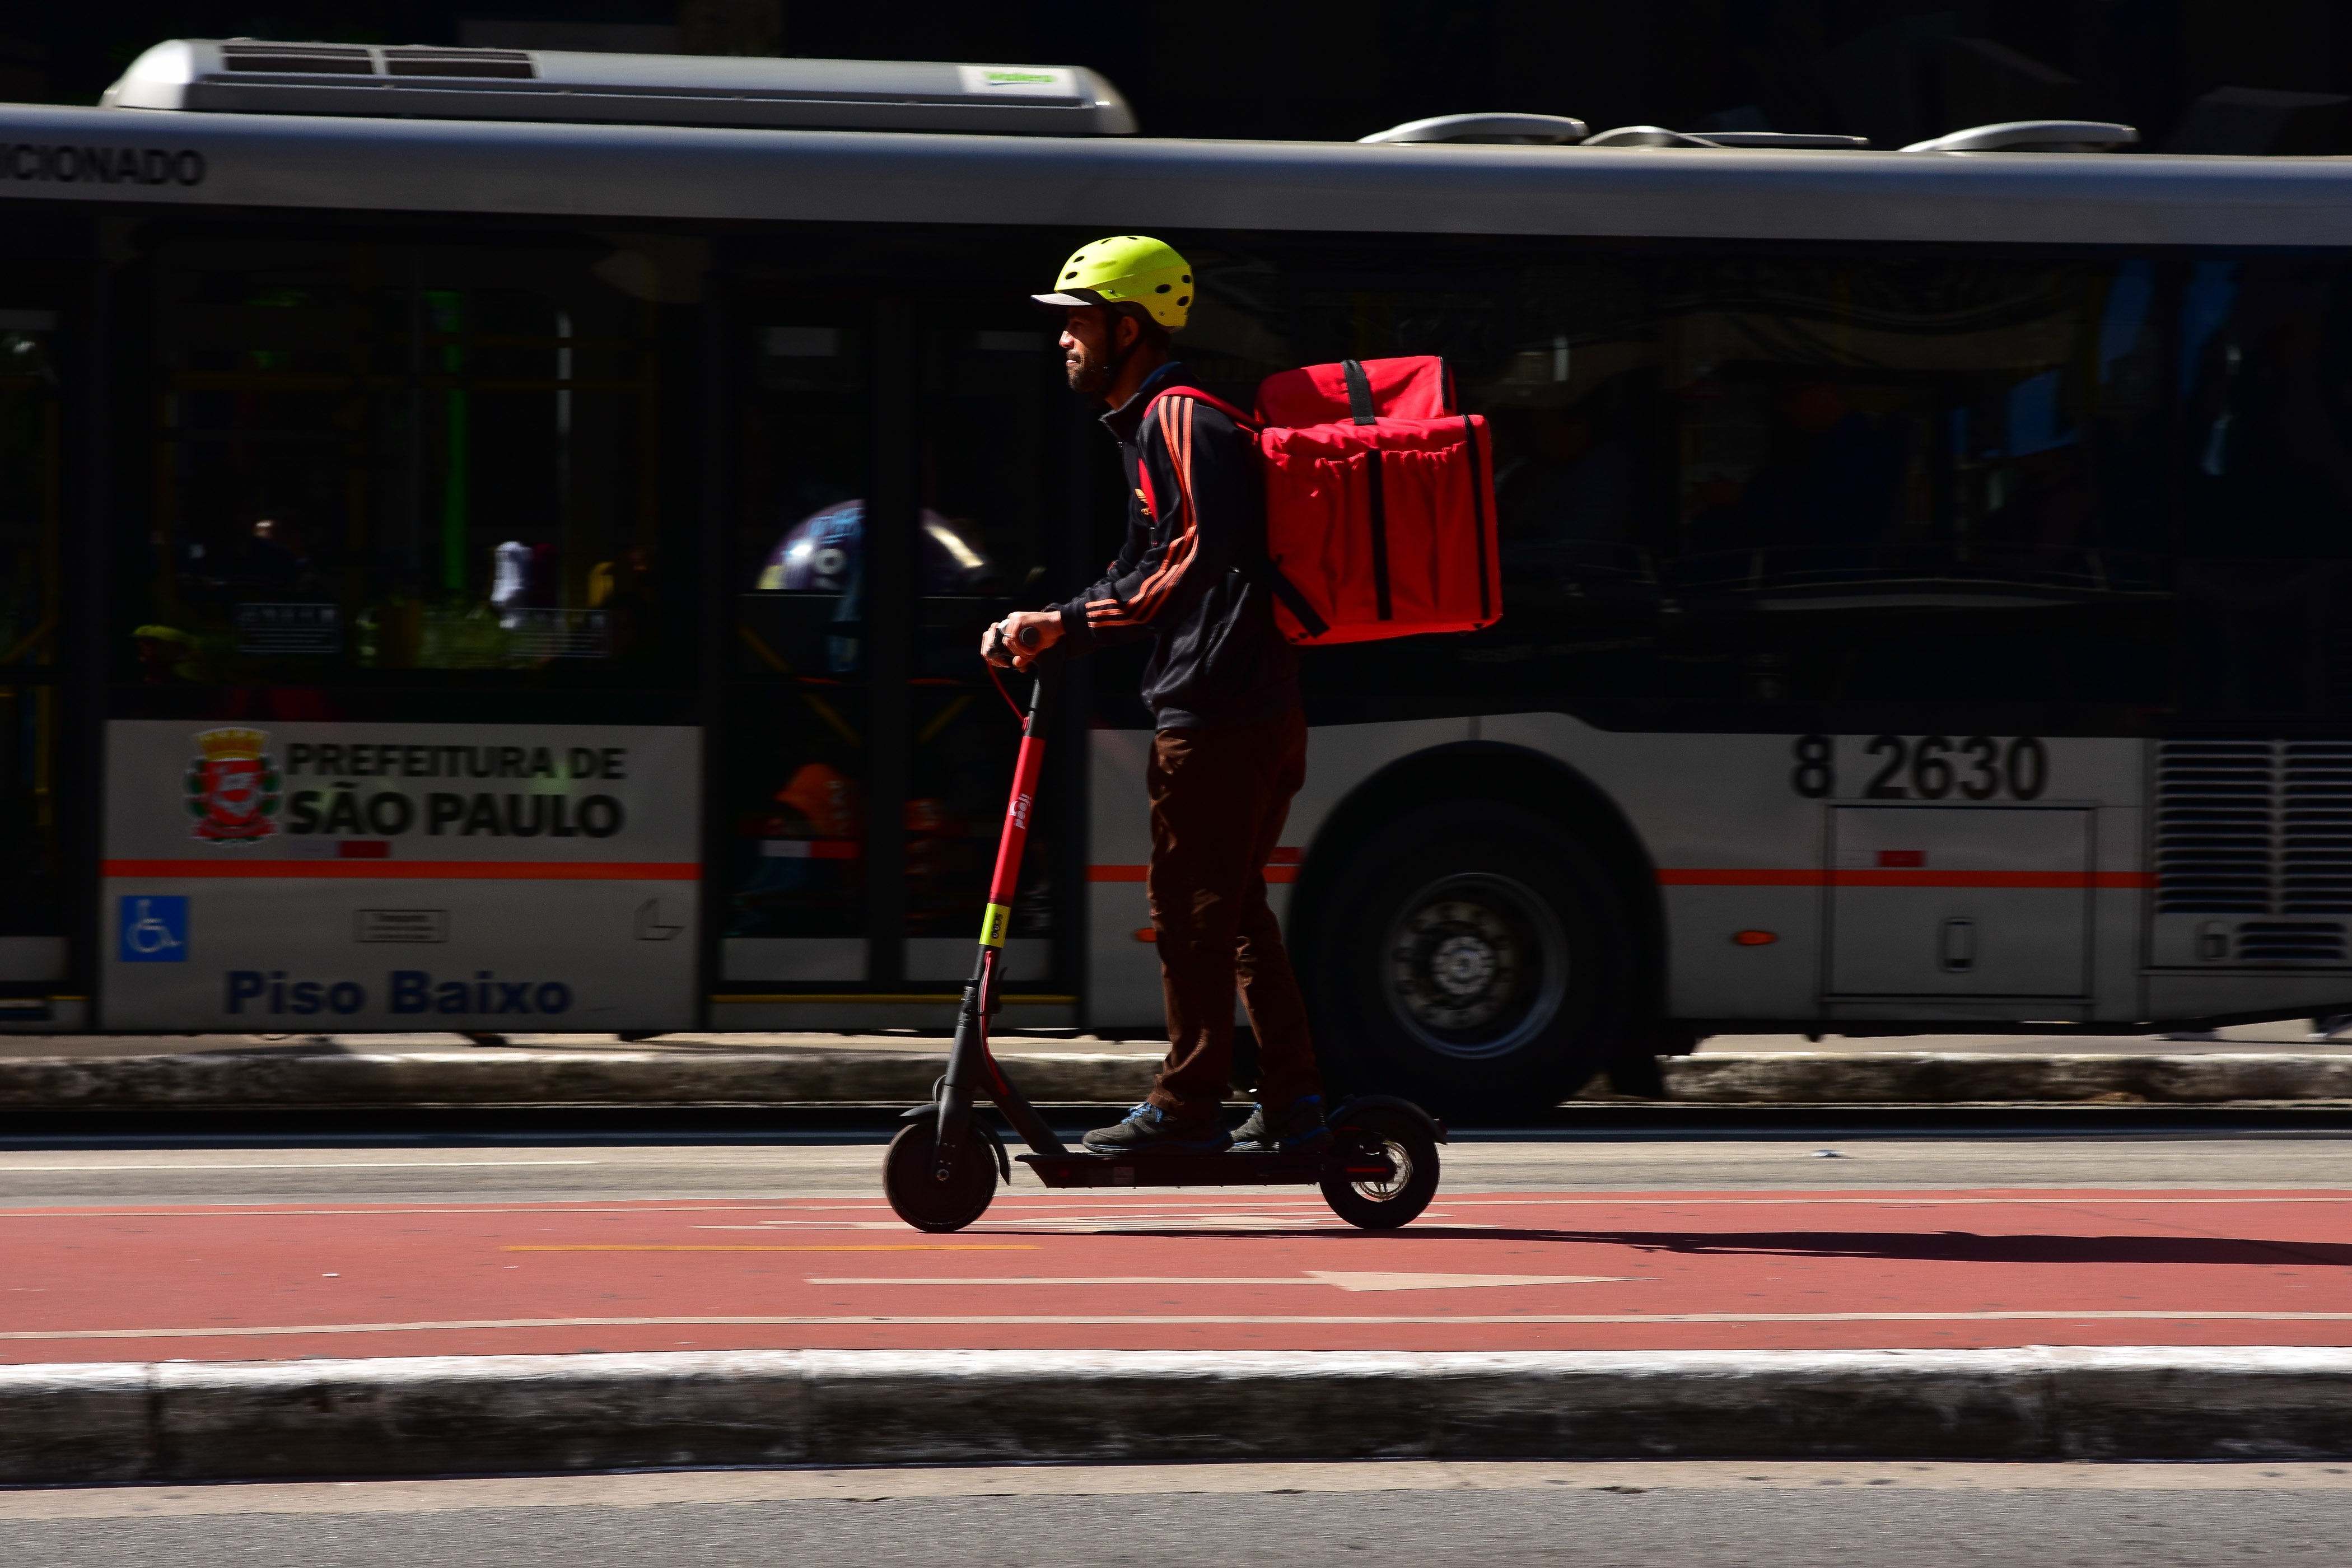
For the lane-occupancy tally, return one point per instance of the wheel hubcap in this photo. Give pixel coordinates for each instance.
(1379, 1189)
(1477, 965)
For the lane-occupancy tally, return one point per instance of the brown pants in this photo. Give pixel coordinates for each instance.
(1219, 798)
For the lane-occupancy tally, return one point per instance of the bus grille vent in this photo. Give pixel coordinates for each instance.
(2316, 829)
(2291, 941)
(307, 59)
(459, 62)
(2216, 827)
(2254, 827)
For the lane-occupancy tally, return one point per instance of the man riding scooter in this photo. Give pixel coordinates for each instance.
(1230, 749)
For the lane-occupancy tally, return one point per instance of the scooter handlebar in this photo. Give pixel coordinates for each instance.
(998, 652)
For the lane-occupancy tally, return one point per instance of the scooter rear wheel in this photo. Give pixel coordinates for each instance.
(926, 1203)
(1383, 1202)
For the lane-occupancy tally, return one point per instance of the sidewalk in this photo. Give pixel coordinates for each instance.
(2289, 1036)
(2266, 1065)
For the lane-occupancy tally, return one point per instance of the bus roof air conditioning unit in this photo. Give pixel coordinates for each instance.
(247, 76)
(2032, 136)
(1756, 141)
(1506, 129)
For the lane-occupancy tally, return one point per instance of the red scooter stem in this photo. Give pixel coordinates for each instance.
(1006, 882)
(971, 1069)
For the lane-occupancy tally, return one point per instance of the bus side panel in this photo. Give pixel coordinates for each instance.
(1738, 851)
(1122, 967)
(1751, 835)
(295, 876)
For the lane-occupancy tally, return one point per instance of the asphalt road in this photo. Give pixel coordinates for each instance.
(1654, 1515)
(488, 1169)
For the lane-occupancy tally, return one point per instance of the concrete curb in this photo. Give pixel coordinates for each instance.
(264, 1080)
(1933, 1077)
(181, 1421)
(260, 1080)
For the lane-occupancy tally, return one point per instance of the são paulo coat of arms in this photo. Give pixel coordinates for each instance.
(232, 787)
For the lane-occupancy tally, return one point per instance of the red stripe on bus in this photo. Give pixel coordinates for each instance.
(1136, 873)
(1881, 879)
(423, 871)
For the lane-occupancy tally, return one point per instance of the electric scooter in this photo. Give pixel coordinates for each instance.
(1378, 1170)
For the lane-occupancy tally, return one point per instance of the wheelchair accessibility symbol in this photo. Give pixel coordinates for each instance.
(154, 928)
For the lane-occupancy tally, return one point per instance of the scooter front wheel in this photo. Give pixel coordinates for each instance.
(910, 1182)
(1377, 1201)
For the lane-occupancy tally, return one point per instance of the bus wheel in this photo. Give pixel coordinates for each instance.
(1475, 958)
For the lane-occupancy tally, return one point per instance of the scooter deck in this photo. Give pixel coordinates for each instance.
(1309, 1169)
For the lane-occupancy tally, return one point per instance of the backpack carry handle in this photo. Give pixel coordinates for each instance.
(1360, 392)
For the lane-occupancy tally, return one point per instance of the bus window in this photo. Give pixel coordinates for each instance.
(1904, 480)
(1570, 397)
(997, 426)
(1559, 351)
(992, 439)
(373, 460)
(2265, 464)
(796, 801)
(1740, 481)
(32, 913)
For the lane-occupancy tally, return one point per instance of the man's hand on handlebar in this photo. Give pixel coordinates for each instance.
(1020, 637)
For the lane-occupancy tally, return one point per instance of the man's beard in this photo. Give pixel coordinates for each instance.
(1089, 376)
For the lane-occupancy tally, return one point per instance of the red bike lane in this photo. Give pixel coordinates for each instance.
(1183, 1270)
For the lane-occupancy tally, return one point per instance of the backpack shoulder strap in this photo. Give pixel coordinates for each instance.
(1256, 567)
(1245, 421)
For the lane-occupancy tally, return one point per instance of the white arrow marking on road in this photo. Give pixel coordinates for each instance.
(1312, 1276)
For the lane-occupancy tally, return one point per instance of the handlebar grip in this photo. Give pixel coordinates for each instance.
(1028, 637)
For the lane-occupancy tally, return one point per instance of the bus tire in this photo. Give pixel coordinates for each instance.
(1475, 958)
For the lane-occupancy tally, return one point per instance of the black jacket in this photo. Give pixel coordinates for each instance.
(1195, 518)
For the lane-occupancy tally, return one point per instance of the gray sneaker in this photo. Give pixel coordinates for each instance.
(1148, 1129)
(1288, 1131)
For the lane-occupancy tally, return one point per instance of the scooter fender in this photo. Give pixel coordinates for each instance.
(1003, 1161)
(1339, 1118)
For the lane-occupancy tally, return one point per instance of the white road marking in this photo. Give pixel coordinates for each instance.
(1014, 1208)
(1115, 1320)
(1581, 1200)
(305, 1165)
(1345, 1281)
(1227, 1219)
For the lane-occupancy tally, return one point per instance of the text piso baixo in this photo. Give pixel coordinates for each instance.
(406, 989)
(389, 813)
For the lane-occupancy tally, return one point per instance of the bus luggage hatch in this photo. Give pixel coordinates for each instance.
(1986, 902)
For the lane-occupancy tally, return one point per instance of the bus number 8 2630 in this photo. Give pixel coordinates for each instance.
(1928, 767)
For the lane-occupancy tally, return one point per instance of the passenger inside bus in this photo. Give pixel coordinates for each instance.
(1572, 476)
(1832, 477)
(275, 557)
(167, 656)
(802, 856)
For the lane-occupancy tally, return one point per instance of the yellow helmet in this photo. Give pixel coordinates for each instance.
(1127, 268)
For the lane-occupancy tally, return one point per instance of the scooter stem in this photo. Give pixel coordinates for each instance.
(971, 1069)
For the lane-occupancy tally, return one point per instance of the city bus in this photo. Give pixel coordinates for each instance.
(496, 541)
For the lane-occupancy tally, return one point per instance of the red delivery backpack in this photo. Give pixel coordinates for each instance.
(1380, 501)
